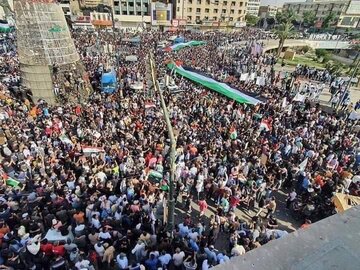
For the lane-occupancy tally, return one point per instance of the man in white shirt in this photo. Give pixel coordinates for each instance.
(122, 261)
(238, 250)
(178, 258)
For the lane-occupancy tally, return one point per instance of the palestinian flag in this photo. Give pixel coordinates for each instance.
(5, 27)
(214, 85)
(92, 150)
(264, 125)
(11, 182)
(155, 176)
(233, 133)
(179, 46)
(64, 139)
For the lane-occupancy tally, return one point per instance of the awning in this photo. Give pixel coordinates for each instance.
(344, 202)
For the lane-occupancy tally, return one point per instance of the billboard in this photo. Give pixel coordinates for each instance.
(161, 13)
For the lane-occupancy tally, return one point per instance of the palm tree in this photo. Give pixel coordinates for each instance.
(285, 28)
(283, 32)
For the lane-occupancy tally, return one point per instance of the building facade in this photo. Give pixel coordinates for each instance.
(267, 11)
(211, 11)
(351, 17)
(253, 7)
(347, 12)
(131, 13)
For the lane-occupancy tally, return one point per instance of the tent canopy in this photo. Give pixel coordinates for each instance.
(107, 78)
(179, 40)
(344, 202)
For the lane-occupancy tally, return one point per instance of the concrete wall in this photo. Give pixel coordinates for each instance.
(332, 243)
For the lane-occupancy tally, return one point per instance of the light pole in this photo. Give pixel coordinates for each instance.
(171, 200)
(347, 89)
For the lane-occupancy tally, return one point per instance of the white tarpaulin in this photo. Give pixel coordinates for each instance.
(131, 58)
(244, 76)
(299, 97)
(260, 81)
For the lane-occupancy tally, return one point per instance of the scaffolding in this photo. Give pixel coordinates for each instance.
(43, 34)
(43, 40)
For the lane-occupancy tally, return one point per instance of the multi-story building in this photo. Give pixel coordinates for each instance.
(267, 11)
(131, 13)
(213, 11)
(253, 7)
(351, 17)
(347, 12)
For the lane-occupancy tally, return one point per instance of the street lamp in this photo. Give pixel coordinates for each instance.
(347, 89)
(171, 200)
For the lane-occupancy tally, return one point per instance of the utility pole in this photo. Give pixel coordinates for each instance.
(347, 89)
(171, 200)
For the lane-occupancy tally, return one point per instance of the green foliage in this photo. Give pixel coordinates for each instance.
(309, 18)
(305, 49)
(334, 68)
(321, 53)
(287, 16)
(329, 19)
(251, 19)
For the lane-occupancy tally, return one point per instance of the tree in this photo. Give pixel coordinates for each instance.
(251, 19)
(309, 18)
(285, 28)
(322, 55)
(287, 16)
(283, 32)
(329, 19)
(335, 68)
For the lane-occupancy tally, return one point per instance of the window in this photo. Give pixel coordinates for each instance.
(225, 3)
(189, 1)
(189, 18)
(198, 10)
(206, 18)
(232, 11)
(178, 9)
(197, 18)
(198, 2)
(215, 10)
(233, 4)
(208, 2)
(207, 10)
(223, 11)
(231, 19)
(240, 11)
(189, 9)
(241, 4)
(215, 18)
(131, 12)
(131, 4)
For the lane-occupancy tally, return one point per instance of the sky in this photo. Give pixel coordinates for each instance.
(278, 2)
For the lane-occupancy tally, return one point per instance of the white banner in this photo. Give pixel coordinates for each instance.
(244, 76)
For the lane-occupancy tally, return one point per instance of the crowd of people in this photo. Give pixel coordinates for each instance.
(86, 185)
